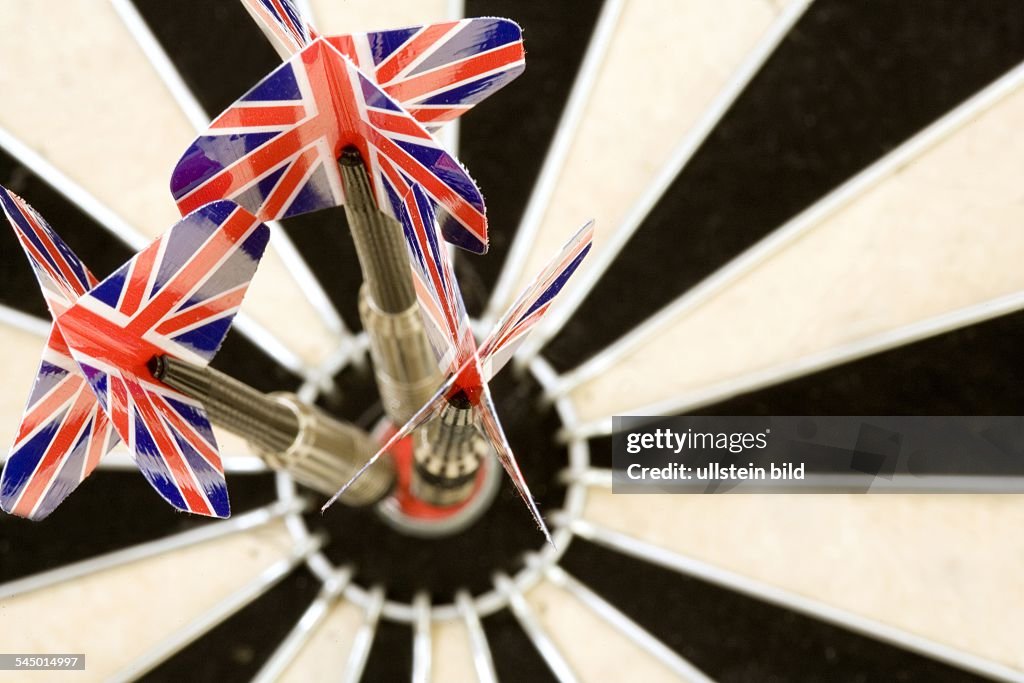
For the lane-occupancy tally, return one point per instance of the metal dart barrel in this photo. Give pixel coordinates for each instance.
(327, 453)
(447, 457)
(314, 448)
(403, 359)
(265, 423)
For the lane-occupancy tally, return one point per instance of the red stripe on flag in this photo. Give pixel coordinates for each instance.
(117, 400)
(209, 310)
(194, 439)
(411, 51)
(56, 453)
(345, 45)
(49, 404)
(58, 257)
(183, 479)
(397, 123)
(40, 259)
(242, 117)
(445, 77)
(238, 225)
(138, 279)
(430, 114)
(274, 204)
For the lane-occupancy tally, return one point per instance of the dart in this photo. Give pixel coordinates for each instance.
(275, 150)
(347, 121)
(469, 368)
(176, 298)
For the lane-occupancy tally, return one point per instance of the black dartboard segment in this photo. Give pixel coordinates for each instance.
(236, 648)
(916, 379)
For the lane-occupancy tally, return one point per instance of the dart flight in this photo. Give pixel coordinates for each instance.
(93, 388)
(275, 150)
(469, 368)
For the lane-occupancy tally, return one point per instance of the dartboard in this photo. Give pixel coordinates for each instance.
(806, 208)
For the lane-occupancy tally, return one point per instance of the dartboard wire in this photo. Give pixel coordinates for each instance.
(117, 226)
(534, 630)
(200, 120)
(216, 530)
(233, 463)
(570, 300)
(195, 629)
(631, 546)
(320, 380)
(792, 230)
(483, 663)
(365, 635)
(420, 613)
(591, 477)
(449, 134)
(493, 600)
(287, 492)
(422, 648)
(625, 626)
(25, 322)
(789, 370)
(373, 601)
(554, 161)
(304, 629)
(603, 478)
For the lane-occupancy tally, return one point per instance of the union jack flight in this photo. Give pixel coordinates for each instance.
(93, 388)
(275, 150)
(468, 367)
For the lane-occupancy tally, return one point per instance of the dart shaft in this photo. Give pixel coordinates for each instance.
(404, 364)
(314, 448)
(447, 458)
(379, 240)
